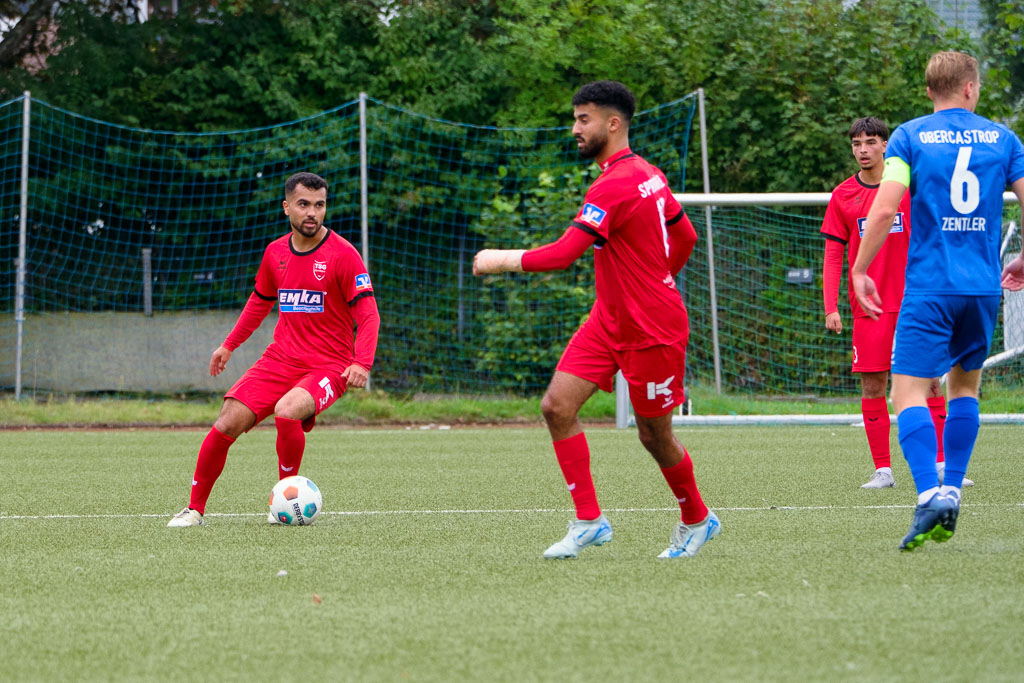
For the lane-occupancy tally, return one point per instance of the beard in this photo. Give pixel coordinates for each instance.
(306, 230)
(591, 148)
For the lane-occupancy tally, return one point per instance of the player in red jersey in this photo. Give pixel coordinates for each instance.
(872, 339)
(638, 323)
(323, 293)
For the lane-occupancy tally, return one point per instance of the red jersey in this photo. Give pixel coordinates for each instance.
(844, 222)
(628, 209)
(315, 291)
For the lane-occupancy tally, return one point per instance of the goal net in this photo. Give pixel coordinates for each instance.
(768, 312)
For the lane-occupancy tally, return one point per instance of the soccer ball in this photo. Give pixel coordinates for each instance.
(295, 501)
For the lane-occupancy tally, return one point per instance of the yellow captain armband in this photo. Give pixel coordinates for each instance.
(896, 170)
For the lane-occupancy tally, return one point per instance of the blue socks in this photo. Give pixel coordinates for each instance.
(961, 432)
(917, 439)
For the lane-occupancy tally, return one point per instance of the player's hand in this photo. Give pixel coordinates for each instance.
(867, 295)
(219, 360)
(488, 261)
(833, 323)
(1013, 274)
(356, 375)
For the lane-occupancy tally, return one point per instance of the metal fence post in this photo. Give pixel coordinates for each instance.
(147, 281)
(22, 271)
(364, 209)
(711, 245)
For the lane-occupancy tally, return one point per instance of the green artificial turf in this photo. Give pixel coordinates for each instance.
(426, 564)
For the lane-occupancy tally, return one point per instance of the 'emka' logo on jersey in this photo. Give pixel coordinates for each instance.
(300, 301)
(897, 224)
(363, 282)
(319, 269)
(591, 215)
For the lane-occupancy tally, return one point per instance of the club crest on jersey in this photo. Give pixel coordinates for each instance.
(897, 224)
(319, 269)
(592, 215)
(363, 283)
(300, 301)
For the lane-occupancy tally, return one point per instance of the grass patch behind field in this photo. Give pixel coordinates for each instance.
(434, 573)
(379, 408)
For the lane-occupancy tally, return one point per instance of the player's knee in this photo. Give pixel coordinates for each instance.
(650, 439)
(555, 410)
(295, 406)
(233, 423)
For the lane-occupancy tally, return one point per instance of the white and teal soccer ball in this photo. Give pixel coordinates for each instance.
(295, 501)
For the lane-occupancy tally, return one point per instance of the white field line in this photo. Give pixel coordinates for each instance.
(366, 513)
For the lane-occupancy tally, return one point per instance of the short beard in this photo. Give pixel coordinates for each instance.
(304, 231)
(593, 148)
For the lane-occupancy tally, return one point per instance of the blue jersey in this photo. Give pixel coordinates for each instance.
(960, 164)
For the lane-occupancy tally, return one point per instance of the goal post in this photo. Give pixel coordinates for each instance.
(767, 261)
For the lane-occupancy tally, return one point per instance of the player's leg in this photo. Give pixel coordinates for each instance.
(872, 355)
(294, 407)
(877, 426)
(920, 353)
(234, 419)
(296, 411)
(962, 424)
(585, 366)
(937, 408)
(969, 347)
(655, 378)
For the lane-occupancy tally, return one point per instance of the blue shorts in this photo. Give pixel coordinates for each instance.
(935, 332)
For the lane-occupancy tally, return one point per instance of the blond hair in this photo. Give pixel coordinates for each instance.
(947, 72)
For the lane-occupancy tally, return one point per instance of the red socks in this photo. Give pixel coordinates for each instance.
(937, 407)
(684, 488)
(209, 465)
(876, 426)
(291, 442)
(573, 456)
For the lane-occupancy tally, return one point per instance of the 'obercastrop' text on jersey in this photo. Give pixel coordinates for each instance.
(960, 163)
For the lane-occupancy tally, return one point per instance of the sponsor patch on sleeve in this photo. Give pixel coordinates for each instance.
(363, 283)
(592, 215)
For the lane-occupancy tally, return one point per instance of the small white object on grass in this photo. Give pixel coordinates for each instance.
(283, 572)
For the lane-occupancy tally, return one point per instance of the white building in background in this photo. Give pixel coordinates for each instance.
(965, 15)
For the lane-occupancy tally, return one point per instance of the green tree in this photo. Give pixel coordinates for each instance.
(1004, 56)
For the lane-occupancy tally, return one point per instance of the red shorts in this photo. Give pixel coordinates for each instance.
(872, 342)
(654, 374)
(263, 385)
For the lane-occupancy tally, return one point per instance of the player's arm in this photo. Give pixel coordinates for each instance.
(835, 230)
(895, 181)
(682, 238)
(831, 274)
(1013, 273)
(367, 320)
(255, 312)
(557, 255)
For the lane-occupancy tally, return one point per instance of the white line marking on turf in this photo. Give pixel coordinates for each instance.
(510, 511)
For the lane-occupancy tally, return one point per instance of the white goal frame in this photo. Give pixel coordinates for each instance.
(623, 414)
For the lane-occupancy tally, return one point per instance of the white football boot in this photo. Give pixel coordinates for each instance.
(582, 533)
(687, 539)
(881, 479)
(940, 467)
(187, 517)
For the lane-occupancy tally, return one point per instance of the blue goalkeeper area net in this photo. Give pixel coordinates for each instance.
(142, 245)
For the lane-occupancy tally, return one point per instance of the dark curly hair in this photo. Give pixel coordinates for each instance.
(869, 125)
(308, 180)
(607, 94)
